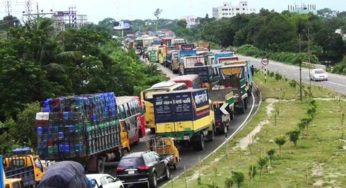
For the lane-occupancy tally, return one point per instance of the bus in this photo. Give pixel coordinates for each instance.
(192, 81)
(147, 99)
(131, 120)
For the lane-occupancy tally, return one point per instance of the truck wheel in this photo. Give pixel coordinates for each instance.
(153, 181)
(211, 135)
(245, 104)
(199, 144)
(100, 165)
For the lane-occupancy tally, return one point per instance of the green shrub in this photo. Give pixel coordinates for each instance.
(278, 76)
(293, 83)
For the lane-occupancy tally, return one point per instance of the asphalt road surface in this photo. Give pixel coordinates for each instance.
(335, 82)
(190, 157)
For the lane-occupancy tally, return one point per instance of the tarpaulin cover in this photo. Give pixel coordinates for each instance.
(65, 174)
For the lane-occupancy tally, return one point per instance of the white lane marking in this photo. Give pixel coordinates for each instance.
(342, 85)
(224, 142)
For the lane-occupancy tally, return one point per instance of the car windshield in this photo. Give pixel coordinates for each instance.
(319, 72)
(131, 162)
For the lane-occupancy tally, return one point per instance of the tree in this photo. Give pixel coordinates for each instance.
(157, 14)
(262, 162)
(270, 154)
(280, 141)
(294, 136)
(252, 172)
(25, 132)
(182, 23)
(228, 182)
(237, 178)
(326, 13)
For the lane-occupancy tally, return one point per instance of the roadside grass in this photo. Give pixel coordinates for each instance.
(319, 159)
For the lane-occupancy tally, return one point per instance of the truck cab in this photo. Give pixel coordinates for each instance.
(22, 164)
(14, 183)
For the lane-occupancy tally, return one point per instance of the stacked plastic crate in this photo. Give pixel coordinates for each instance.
(77, 126)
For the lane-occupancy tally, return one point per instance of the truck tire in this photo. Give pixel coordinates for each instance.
(199, 143)
(211, 135)
(241, 108)
(101, 165)
(153, 181)
(245, 103)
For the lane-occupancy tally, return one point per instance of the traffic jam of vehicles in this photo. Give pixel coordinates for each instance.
(99, 131)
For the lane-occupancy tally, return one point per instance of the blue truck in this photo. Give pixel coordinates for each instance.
(81, 128)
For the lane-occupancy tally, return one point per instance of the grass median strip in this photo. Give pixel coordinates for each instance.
(317, 160)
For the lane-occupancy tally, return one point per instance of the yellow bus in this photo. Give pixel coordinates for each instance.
(147, 99)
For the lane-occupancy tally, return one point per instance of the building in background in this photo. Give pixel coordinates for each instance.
(191, 21)
(227, 10)
(302, 8)
(69, 19)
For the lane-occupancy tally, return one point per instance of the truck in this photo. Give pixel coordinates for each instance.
(186, 50)
(165, 147)
(177, 42)
(223, 105)
(9, 182)
(22, 163)
(153, 54)
(186, 115)
(81, 128)
(237, 74)
(172, 60)
(219, 55)
(207, 75)
(190, 61)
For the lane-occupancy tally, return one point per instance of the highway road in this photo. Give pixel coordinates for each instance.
(189, 157)
(335, 82)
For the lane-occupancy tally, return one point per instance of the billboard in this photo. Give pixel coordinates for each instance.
(121, 25)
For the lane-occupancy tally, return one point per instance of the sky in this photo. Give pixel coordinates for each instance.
(97, 10)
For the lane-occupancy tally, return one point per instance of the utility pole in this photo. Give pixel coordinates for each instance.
(300, 72)
(8, 7)
(309, 59)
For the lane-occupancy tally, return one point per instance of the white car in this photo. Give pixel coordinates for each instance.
(318, 75)
(104, 181)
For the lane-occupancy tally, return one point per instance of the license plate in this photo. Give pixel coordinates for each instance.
(131, 172)
(186, 137)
